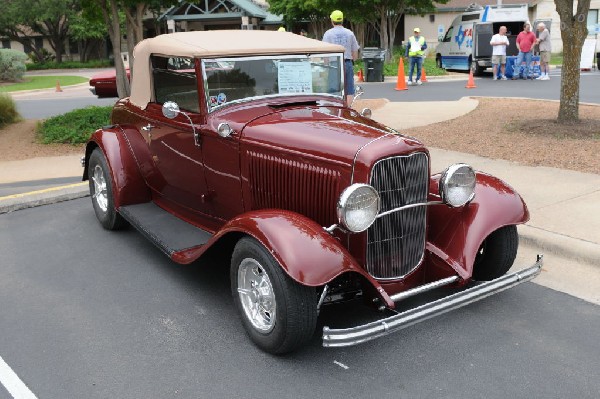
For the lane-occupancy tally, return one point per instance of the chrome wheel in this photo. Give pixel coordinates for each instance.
(100, 195)
(256, 295)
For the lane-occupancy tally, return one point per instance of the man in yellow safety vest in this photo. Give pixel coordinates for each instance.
(415, 50)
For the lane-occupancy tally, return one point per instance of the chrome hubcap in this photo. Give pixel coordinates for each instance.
(256, 295)
(100, 195)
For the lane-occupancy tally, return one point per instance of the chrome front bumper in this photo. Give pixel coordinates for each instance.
(379, 328)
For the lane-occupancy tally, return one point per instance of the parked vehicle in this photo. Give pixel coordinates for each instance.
(306, 200)
(466, 44)
(104, 84)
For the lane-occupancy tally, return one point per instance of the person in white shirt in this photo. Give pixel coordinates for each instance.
(499, 43)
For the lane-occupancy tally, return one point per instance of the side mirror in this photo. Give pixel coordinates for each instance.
(170, 109)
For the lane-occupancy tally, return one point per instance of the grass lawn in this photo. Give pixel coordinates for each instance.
(42, 82)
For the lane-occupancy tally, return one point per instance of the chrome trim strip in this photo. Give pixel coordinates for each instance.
(408, 206)
(424, 288)
(359, 334)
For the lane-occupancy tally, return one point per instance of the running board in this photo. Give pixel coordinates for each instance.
(165, 230)
(356, 335)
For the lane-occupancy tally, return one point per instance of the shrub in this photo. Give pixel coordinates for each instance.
(12, 65)
(69, 65)
(74, 127)
(8, 110)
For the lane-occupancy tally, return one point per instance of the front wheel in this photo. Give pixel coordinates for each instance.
(101, 192)
(496, 254)
(278, 313)
(438, 61)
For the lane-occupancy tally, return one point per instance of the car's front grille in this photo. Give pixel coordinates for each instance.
(395, 242)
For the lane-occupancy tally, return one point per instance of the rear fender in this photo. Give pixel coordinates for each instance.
(128, 185)
(306, 252)
(455, 234)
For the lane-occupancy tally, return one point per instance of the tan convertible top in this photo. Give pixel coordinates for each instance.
(212, 44)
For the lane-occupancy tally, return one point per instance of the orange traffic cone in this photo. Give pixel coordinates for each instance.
(360, 76)
(58, 89)
(401, 84)
(471, 81)
(423, 75)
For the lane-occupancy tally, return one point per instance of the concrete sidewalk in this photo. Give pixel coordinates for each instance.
(564, 205)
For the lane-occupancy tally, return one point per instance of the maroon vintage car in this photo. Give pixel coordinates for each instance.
(306, 200)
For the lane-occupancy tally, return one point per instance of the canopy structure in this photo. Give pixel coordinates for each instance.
(213, 44)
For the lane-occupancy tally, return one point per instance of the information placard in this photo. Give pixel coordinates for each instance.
(587, 54)
(294, 77)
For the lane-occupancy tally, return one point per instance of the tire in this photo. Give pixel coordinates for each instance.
(496, 254)
(438, 61)
(101, 192)
(279, 314)
(477, 70)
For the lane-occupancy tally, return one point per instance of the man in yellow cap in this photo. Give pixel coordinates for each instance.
(281, 29)
(342, 36)
(415, 49)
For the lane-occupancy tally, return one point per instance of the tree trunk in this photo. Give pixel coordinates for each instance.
(383, 32)
(573, 31)
(110, 12)
(135, 29)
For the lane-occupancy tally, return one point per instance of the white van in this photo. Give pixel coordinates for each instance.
(467, 41)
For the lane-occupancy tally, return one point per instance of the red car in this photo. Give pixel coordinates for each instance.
(307, 201)
(104, 84)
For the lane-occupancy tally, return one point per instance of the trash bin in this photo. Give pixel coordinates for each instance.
(373, 58)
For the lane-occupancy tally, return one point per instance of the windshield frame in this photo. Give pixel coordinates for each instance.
(210, 108)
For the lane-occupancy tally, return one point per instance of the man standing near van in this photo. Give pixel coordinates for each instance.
(499, 42)
(544, 46)
(342, 36)
(525, 41)
(415, 49)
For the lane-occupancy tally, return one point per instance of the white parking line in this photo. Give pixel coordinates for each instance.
(13, 383)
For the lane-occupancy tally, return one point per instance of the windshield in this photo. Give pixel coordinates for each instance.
(235, 79)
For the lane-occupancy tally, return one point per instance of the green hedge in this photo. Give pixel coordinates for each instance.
(74, 127)
(8, 111)
(69, 65)
(12, 65)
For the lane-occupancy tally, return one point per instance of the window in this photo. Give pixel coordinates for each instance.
(5, 43)
(175, 80)
(448, 36)
(592, 22)
(237, 79)
(39, 43)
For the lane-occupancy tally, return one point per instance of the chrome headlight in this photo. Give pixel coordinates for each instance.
(457, 185)
(358, 207)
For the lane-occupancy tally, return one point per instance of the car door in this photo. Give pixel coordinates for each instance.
(175, 143)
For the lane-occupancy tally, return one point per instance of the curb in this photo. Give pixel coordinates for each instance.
(48, 196)
(559, 244)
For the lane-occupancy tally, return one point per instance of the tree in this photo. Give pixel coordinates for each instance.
(573, 31)
(14, 25)
(89, 30)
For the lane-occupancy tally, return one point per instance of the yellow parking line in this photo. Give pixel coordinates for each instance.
(46, 190)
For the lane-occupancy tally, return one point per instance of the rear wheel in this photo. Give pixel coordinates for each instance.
(496, 254)
(278, 313)
(100, 181)
(475, 68)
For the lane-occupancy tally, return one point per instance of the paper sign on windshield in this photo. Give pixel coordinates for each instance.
(294, 77)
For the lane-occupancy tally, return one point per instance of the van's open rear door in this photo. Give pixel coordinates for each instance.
(482, 34)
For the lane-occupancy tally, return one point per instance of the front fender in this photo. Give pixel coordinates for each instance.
(306, 252)
(455, 234)
(128, 185)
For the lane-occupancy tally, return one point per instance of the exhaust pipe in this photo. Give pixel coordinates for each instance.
(359, 334)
